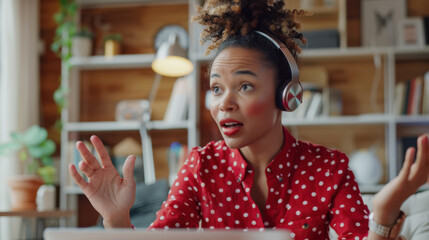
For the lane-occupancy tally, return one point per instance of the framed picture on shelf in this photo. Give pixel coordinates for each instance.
(411, 32)
(379, 21)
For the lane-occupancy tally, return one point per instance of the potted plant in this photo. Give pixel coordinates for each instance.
(112, 44)
(34, 150)
(82, 43)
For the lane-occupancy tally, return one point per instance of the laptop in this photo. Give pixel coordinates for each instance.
(142, 234)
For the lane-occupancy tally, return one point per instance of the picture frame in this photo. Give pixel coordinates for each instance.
(411, 32)
(380, 20)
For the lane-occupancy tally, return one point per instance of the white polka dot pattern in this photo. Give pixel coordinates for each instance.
(309, 189)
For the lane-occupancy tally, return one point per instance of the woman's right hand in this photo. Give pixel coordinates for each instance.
(110, 194)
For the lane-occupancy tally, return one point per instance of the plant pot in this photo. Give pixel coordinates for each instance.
(112, 48)
(81, 46)
(46, 198)
(24, 191)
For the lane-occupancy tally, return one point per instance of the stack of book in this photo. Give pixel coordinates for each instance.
(412, 96)
(318, 101)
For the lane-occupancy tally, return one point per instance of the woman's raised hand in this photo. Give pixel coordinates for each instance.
(110, 194)
(413, 174)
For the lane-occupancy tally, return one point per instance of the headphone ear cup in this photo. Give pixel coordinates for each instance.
(289, 96)
(280, 92)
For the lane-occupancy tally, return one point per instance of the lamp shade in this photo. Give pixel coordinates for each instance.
(171, 59)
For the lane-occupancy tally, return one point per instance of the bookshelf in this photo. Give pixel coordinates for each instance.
(97, 84)
(358, 127)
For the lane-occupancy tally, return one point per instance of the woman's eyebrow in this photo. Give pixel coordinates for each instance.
(214, 75)
(245, 72)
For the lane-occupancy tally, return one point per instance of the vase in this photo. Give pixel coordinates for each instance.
(46, 198)
(23, 192)
(112, 48)
(81, 46)
(367, 167)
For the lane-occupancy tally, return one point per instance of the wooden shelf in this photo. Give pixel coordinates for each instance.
(104, 3)
(353, 52)
(418, 119)
(38, 214)
(118, 61)
(123, 125)
(344, 120)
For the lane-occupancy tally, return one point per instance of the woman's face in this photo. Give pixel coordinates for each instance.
(242, 103)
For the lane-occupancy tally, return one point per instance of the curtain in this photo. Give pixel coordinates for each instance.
(19, 89)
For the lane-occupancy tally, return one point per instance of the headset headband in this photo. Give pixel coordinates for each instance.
(293, 67)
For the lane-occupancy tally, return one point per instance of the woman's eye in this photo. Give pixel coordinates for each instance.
(246, 87)
(215, 90)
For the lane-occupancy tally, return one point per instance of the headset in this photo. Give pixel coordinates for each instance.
(289, 92)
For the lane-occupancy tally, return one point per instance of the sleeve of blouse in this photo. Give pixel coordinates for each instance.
(348, 213)
(181, 209)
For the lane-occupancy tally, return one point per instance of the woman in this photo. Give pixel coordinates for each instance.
(260, 176)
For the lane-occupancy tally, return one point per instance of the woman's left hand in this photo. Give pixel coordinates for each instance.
(414, 174)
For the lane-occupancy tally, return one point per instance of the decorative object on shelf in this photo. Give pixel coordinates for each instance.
(380, 20)
(82, 43)
(133, 110)
(411, 32)
(171, 43)
(366, 166)
(45, 198)
(177, 108)
(326, 38)
(112, 44)
(35, 152)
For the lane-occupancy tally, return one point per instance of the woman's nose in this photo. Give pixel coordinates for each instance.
(228, 102)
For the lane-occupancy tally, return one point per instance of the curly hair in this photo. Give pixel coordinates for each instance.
(226, 18)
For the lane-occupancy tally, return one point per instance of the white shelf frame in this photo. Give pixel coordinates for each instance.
(114, 62)
(70, 114)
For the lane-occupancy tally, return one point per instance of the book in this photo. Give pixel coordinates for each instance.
(176, 157)
(177, 108)
(416, 96)
(403, 144)
(406, 97)
(315, 107)
(400, 89)
(425, 93)
(332, 104)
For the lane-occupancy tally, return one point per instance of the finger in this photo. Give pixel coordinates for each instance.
(409, 159)
(101, 151)
(77, 177)
(86, 169)
(129, 169)
(87, 156)
(422, 151)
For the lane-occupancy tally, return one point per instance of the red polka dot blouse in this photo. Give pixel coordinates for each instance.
(310, 188)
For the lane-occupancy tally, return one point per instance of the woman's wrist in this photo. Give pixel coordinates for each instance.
(123, 221)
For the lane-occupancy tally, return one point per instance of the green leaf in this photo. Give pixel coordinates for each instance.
(34, 135)
(44, 149)
(17, 136)
(23, 156)
(32, 167)
(47, 161)
(47, 173)
(9, 148)
(58, 124)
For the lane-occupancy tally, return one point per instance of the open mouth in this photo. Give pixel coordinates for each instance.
(232, 125)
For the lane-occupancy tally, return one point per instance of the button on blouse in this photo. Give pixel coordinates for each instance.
(310, 188)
